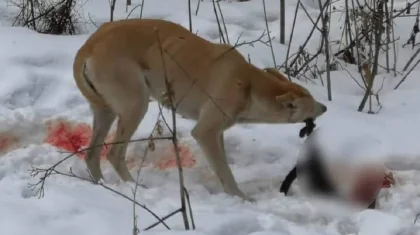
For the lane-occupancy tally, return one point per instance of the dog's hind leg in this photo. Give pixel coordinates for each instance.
(130, 101)
(127, 125)
(103, 118)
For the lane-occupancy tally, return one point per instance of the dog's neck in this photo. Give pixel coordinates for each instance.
(261, 106)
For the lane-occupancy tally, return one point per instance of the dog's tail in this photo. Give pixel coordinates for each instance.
(84, 77)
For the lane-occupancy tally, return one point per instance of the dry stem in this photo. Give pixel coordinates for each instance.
(378, 20)
(169, 96)
(327, 46)
(268, 33)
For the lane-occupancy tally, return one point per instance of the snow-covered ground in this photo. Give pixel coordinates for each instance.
(36, 86)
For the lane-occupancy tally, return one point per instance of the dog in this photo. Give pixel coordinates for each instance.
(125, 62)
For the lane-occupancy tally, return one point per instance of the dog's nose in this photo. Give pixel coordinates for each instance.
(324, 108)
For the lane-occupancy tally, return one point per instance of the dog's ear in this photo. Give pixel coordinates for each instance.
(287, 100)
(276, 74)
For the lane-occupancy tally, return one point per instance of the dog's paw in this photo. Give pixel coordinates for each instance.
(251, 200)
(101, 181)
(246, 198)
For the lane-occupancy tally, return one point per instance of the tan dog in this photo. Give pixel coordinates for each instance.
(121, 65)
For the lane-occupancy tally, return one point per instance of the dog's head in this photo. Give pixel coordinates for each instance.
(299, 104)
(295, 100)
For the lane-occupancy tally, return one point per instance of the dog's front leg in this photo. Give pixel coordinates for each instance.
(208, 132)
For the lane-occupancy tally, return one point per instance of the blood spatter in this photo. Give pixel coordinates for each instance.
(71, 137)
(387, 182)
(6, 141)
(169, 160)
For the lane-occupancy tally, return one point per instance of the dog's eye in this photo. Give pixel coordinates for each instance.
(290, 106)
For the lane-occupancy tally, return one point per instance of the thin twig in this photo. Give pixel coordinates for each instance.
(411, 59)
(189, 15)
(112, 8)
(388, 37)
(250, 43)
(146, 150)
(223, 21)
(47, 172)
(163, 219)
(222, 37)
(198, 7)
(406, 75)
(268, 33)
(327, 46)
(290, 40)
(187, 195)
(393, 38)
(90, 18)
(310, 18)
(169, 98)
(295, 59)
(141, 10)
(72, 175)
(362, 36)
(379, 15)
(131, 11)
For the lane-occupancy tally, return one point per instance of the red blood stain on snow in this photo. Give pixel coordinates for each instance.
(169, 160)
(388, 181)
(6, 141)
(386, 184)
(71, 137)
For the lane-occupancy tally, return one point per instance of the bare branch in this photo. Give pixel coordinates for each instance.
(132, 10)
(290, 41)
(222, 37)
(268, 33)
(327, 46)
(378, 20)
(168, 99)
(72, 175)
(223, 21)
(47, 172)
(406, 75)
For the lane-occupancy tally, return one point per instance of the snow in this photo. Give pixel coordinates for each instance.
(37, 85)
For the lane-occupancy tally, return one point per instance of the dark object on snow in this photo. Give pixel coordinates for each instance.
(305, 131)
(318, 181)
(313, 166)
(287, 182)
